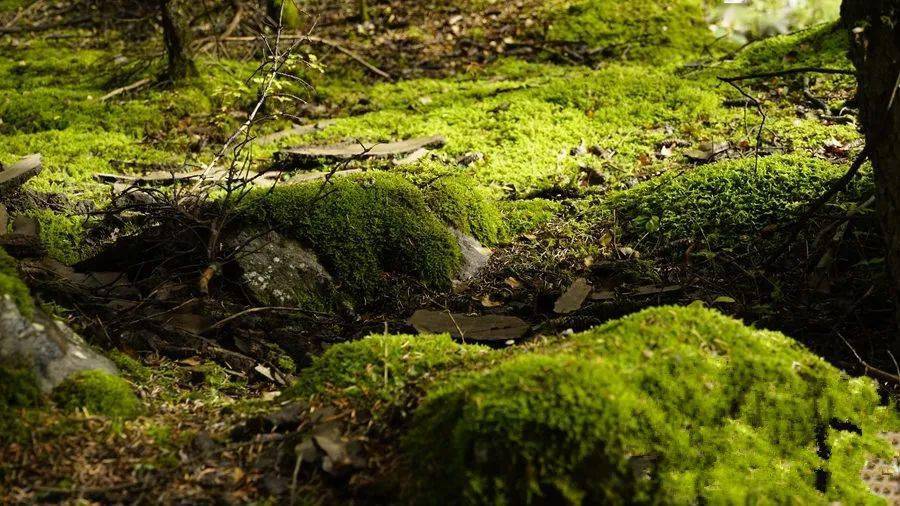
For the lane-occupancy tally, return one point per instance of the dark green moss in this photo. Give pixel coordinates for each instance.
(11, 285)
(363, 226)
(18, 387)
(470, 208)
(724, 204)
(99, 393)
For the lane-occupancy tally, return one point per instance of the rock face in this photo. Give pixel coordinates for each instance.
(53, 349)
(475, 255)
(280, 271)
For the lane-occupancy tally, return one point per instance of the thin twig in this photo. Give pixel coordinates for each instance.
(870, 370)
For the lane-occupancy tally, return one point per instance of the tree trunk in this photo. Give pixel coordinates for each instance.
(177, 42)
(875, 50)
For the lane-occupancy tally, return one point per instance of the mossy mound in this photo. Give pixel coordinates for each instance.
(12, 285)
(97, 392)
(724, 204)
(470, 208)
(18, 388)
(363, 226)
(679, 405)
(649, 31)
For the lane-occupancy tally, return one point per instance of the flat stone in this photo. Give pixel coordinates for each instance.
(54, 351)
(574, 297)
(26, 225)
(280, 271)
(17, 174)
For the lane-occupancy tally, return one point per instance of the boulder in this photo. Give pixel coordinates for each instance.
(280, 271)
(52, 348)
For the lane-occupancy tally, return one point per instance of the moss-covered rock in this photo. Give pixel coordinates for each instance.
(724, 204)
(681, 404)
(12, 285)
(469, 208)
(97, 392)
(362, 226)
(675, 405)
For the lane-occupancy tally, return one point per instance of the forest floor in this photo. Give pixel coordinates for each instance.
(614, 169)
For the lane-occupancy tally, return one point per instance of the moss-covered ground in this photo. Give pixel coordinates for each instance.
(572, 132)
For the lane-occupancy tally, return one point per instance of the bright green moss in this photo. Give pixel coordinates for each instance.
(711, 411)
(382, 367)
(287, 11)
(651, 31)
(363, 226)
(523, 216)
(97, 392)
(724, 204)
(11, 285)
(527, 118)
(467, 207)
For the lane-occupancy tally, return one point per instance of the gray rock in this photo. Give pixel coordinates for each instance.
(53, 349)
(280, 271)
(475, 255)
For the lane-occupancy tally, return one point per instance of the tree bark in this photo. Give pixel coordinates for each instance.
(875, 51)
(177, 41)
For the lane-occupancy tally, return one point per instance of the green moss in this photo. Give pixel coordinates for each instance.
(459, 202)
(363, 226)
(130, 367)
(709, 410)
(651, 31)
(97, 392)
(18, 388)
(381, 368)
(11, 285)
(724, 204)
(523, 216)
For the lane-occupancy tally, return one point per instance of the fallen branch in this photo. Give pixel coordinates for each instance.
(125, 89)
(871, 370)
(221, 323)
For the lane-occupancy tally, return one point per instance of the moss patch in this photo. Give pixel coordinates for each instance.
(11, 285)
(649, 31)
(467, 207)
(681, 404)
(725, 204)
(97, 392)
(363, 226)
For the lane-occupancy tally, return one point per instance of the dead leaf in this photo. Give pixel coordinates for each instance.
(574, 297)
(487, 302)
(513, 283)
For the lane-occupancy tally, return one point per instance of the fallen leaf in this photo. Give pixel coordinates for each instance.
(486, 301)
(574, 297)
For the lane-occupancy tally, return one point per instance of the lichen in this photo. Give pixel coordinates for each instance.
(363, 226)
(97, 392)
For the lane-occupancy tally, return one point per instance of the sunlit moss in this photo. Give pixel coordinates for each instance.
(11, 285)
(97, 392)
(676, 404)
(363, 226)
(723, 204)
